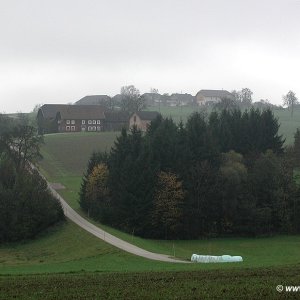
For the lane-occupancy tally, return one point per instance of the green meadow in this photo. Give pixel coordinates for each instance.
(67, 248)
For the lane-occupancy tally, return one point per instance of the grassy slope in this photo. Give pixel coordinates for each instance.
(288, 125)
(67, 154)
(68, 248)
(71, 249)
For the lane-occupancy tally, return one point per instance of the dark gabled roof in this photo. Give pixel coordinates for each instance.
(147, 115)
(92, 100)
(116, 116)
(73, 111)
(182, 97)
(151, 95)
(50, 110)
(215, 93)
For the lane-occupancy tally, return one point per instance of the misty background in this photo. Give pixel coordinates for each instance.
(60, 51)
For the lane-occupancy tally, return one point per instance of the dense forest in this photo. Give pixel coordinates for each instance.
(26, 205)
(226, 173)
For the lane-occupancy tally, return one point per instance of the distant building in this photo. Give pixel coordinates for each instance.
(70, 118)
(205, 97)
(151, 99)
(54, 118)
(155, 99)
(181, 99)
(142, 119)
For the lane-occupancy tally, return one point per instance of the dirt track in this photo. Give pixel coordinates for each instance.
(105, 236)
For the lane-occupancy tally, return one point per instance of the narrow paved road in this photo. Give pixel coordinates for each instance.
(105, 236)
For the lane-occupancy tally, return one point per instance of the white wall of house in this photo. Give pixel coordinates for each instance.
(202, 100)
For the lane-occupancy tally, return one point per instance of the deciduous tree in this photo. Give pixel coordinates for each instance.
(246, 96)
(131, 101)
(97, 192)
(290, 100)
(167, 205)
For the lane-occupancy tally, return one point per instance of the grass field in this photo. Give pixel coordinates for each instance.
(224, 284)
(68, 154)
(67, 248)
(69, 263)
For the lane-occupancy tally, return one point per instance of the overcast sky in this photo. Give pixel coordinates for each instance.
(59, 51)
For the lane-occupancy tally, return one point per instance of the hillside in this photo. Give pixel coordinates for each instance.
(68, 154)
(69, 249)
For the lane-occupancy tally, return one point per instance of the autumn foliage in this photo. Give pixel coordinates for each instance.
(167, 205)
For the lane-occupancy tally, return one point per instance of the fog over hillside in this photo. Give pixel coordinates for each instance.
(60, 51)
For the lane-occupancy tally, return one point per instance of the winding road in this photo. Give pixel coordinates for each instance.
(107, 237)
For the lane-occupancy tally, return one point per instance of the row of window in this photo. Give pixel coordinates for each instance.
(94, 128)
(83, 122)
(91, 121)
(90, 128)
(68, 128)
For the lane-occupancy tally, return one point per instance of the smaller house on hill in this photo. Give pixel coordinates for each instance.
(142, 119)
(205, 97)
(70, 118)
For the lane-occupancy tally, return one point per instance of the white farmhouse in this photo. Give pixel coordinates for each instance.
(211, 96)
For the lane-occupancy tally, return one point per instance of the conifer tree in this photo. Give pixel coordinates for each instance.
(297, 148)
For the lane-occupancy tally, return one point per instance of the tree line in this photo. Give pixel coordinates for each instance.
(26, 205)
(222, 174)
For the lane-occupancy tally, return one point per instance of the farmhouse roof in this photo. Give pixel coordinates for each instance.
(116, 116)
(73, 111)
(147, 115)
(92, 100)
(50, 110)
(215, 93)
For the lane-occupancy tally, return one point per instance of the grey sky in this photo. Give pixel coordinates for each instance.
(59, 51)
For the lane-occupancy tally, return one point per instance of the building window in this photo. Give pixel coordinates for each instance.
(68, 121)
(98, 121)
(94, 121)
(73, 122)
(83, 122)
(92, 128)
(98, 128)
(67, 128)
(72, 128)
(90, 121)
